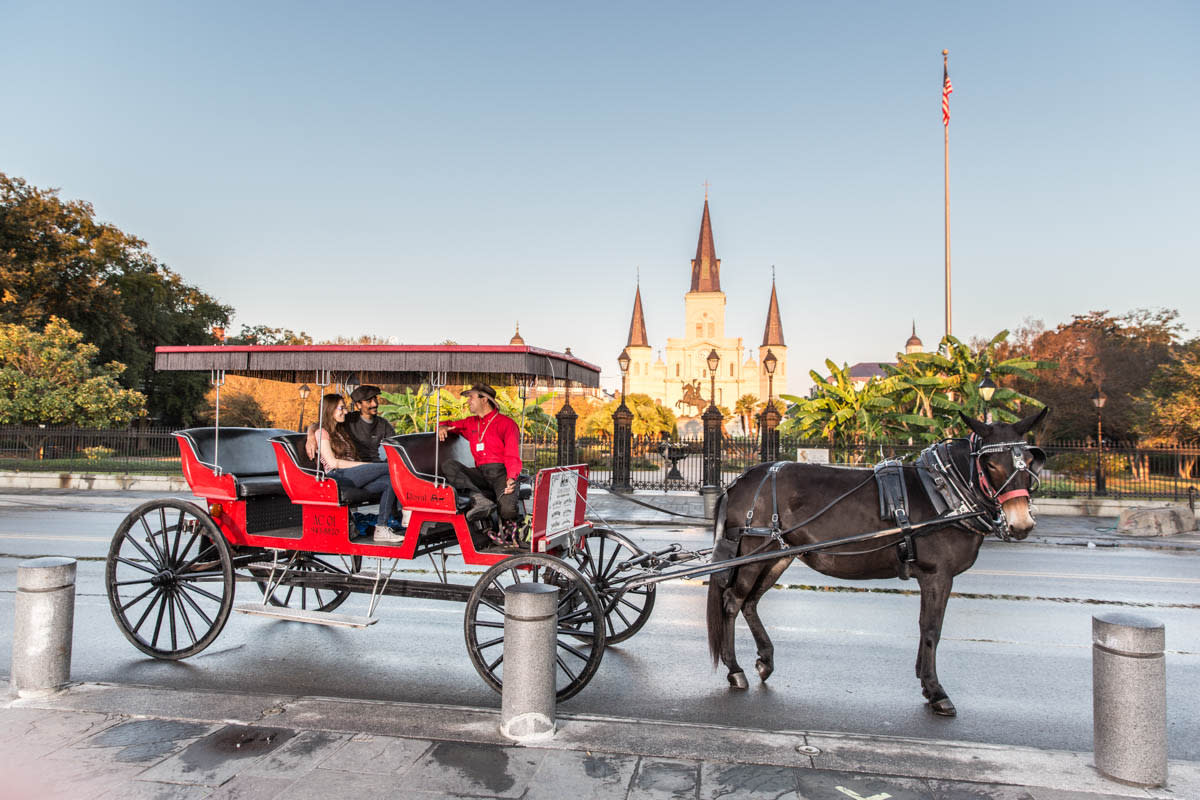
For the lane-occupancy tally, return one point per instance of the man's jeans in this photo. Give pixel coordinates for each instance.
(373, 478)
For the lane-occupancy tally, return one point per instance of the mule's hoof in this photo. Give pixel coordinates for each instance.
(944, 708)
(737, 680)
(764, 669)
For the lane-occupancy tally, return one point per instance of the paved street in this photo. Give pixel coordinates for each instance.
(1015, 654)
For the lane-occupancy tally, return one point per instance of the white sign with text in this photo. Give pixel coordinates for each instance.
(812, 455)
(560, 505)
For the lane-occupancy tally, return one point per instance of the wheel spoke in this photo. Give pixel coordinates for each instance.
(150, 541)
(188, 547)
(580, 616)
(563, 666)
(491, 642)
(171, 619)
(498, 609)
(132, 583)
(198, 590)
(136, 565)
(151, 559)
(582, 656)
(146, 613)
(162, 606)
(492, 666)
(187, 621)
(483, 623)
(197, 608)
(125, 607)
(178, 535)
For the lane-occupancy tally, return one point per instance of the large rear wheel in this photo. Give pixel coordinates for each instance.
(599, 560)
(169, 577)
(580, 637)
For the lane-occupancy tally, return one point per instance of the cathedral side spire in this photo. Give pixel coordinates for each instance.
(637, 324)
(773, 332)
(706, 267)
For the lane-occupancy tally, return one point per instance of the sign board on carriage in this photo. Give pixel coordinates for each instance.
(812, 455)
(559, 497)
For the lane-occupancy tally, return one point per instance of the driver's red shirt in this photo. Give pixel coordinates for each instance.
(500, 438)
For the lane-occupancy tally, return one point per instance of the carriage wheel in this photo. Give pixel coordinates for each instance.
(309, 597)
(170, 579)
(624, 612)
(580, 639)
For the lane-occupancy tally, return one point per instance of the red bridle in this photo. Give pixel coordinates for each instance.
(1000, 496)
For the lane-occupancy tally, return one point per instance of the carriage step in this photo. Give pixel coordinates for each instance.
(301, 615)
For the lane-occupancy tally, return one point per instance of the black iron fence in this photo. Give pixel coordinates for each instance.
(1072, 469)
(68, 449)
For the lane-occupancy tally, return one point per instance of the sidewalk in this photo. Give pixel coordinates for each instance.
(107, 741)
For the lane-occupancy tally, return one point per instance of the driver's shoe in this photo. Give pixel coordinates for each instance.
(480, 507)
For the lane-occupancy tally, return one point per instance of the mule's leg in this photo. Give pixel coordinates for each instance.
(765, 664)
(935, 591)
(733, 601)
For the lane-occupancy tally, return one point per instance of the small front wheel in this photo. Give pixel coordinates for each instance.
(580, 636)
(290, 595)
(599, 559)
(169, 576)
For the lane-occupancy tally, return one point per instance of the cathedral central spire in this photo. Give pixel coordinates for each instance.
(637, 324)
(706, 267)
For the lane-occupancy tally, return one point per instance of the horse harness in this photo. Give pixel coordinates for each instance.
(949, 490)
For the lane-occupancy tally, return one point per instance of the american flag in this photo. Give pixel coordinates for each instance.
(947, 90)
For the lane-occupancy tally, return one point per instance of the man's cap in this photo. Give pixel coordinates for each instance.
(482, 388)
(364, 392)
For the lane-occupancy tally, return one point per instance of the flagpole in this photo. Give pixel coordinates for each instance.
(946, 168)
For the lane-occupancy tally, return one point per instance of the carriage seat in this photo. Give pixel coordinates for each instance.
(416, 451)
(293, 446)
(244, 453)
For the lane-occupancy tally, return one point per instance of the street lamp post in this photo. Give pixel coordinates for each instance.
(304, 392)
(1098, 400)
(622, 433)
(769, 419)
(712, 419)
(987, 388)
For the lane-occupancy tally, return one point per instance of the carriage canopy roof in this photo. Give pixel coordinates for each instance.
(382, 363)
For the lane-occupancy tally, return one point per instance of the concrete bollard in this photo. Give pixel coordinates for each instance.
(528, 697)
(1129, 698)
(45, 618)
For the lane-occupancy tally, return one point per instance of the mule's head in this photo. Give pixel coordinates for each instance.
(1005, 468)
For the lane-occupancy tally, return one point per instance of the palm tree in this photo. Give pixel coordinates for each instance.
(744, 408)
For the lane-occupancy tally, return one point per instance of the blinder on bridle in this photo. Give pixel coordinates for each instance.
(1025, 458)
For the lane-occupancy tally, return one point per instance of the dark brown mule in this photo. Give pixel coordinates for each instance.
(805, 489)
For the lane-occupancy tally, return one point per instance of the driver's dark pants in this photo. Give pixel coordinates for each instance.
(489, 480)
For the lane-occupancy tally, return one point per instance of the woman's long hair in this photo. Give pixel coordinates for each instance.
(339, 442)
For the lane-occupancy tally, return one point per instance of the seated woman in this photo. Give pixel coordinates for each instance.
(336, 453)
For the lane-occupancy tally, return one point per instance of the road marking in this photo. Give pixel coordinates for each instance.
(856, 796)
(50, 538)
(1080, 576)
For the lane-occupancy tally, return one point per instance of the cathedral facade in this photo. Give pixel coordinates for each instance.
(682, 381)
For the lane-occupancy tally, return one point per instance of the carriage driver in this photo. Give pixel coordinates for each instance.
(495, 442)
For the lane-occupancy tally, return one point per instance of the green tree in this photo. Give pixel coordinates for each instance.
(844, 413)
(57, 260)
(264, 335)
(649, 418)
(52, 378)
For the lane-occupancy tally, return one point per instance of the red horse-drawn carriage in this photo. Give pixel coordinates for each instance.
(270, 516)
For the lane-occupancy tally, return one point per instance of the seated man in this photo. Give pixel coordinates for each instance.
(495, 441)
(365, 427)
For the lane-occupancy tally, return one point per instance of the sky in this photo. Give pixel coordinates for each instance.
(442, 171)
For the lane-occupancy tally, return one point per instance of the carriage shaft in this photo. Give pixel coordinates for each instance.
(646, 578)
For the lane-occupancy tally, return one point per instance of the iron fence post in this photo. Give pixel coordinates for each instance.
(712, 446)
(768, 423)
(566, 434)
(622, 435)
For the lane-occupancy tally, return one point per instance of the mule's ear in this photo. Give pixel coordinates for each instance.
(1032, 421)
(980, 428)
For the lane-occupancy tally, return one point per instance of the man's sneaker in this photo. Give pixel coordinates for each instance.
(480, 507)
(386, 534)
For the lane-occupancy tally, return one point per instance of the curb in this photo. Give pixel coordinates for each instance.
(1059, 770)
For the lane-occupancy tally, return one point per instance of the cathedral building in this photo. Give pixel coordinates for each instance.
(682, 380)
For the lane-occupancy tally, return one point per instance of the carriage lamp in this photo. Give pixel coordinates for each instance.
(987, 386)
(1099, 399)
(351, 383)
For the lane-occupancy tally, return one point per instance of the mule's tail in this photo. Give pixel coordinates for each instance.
(716, 589)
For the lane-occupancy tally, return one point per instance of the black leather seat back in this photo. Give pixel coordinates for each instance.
(293, 443)
(417, 449)
(241, 452)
